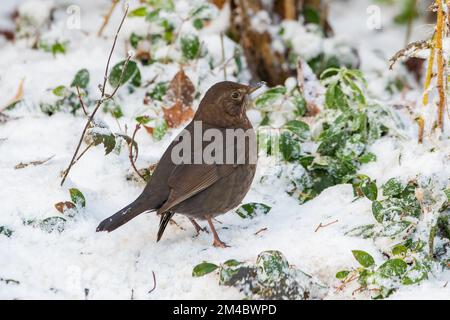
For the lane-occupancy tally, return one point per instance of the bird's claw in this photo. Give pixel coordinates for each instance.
(220, 244)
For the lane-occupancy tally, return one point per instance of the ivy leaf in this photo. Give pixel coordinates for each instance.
(6, 231)
(77, 197)
(399, 250)
(81, 79)
(60, 91)
(289, 147)
(393, 268)
(300, 129)
(203, 269)
(392, 188)
(131, 72)
(52, 224)
(271, 266)
(341, 275)
(138, 12)
(252, 209)
(370, 190)
(364, 259)
(101, 134)
(190, 46)
(232, 263)
(159, 91)
(271, 97)
(367, 157)
(377, 211)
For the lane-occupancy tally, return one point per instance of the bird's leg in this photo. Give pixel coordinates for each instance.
(217, 242)
(197, 227)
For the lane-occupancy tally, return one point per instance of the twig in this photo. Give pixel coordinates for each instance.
(154, 282)
(440, 64)
(102, 98)
(107, 17)
(429, 74)
(405, 52)
(259, 231)
(138, 126)
(421, 123)
(325, 225)
(81, 101)
(223, 56)
(84, 151)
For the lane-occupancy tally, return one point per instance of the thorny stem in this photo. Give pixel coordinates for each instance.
(102, 98)
(154, 282)
(138, 126)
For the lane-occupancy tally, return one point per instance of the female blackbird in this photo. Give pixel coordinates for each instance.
(198, 187)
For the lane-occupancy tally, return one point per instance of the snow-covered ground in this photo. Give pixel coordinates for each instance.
(80, 263)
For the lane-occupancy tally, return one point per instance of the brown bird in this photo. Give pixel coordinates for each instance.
(200, 188)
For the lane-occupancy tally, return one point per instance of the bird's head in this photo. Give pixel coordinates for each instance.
(224, 104)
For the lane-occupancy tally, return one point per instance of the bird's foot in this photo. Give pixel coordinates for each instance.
(197, 227)
(220, 244)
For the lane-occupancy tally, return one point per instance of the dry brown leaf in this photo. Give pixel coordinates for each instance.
(18, 96)
(181, 89)
(177, 115)
(64, 206)
(31, 163)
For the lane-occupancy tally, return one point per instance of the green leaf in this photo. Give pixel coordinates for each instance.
(289, 147)
(447, 193)
(153, 16)
(190, 46)
(159, 91)
(377, 211)
(60, 91)
(272, 266)
(101, 134)
(143, 119)
(81, 79)
(77, 197)
(300, 128)
(162, 4)
(367, 157)
(115, 75)
(341, 275)
(138, 12)
(252, 209)
(232, 263)
(160, 130)
(364, 259)
(6, 231)
(369, 189)
(197, 23)
(393, 268)
(267, 100)
(392, 188)
(203, 269)
(59, 47)
(311, 15)
(399, 250)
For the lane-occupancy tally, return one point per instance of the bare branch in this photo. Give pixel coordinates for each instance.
(101, 100)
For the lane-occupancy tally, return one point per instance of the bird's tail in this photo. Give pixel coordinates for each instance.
(123, 216)
(165, 219)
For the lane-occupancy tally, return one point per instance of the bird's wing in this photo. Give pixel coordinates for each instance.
(187, 180)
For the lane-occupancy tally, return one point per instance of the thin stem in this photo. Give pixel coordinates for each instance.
(138, 126)
(81, 101)
(102, 98)
(223, 56)
(107, 17)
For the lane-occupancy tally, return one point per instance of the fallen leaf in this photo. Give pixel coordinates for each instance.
(177, 115)
(181, 89)
(31, 163)
(17, 97)
(64, 206)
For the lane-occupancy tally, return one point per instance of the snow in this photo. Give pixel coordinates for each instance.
(80, 263)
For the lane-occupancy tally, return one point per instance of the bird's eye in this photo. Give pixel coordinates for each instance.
(235, 95)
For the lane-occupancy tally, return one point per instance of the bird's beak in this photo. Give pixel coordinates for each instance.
(253, 88)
